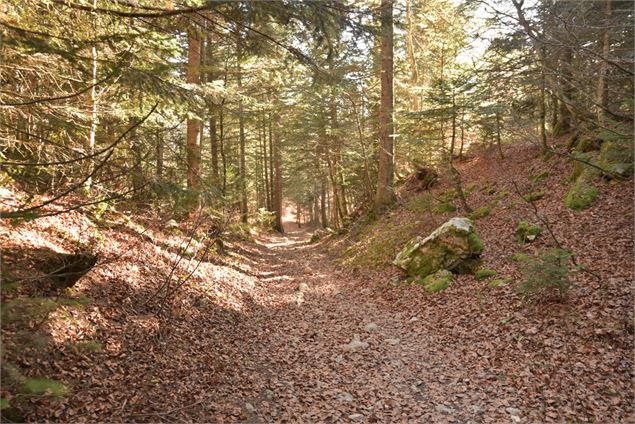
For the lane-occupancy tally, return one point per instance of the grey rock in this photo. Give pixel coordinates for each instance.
(344, 397)
(393, 342)
(356, 417)
(355, 344)
(371, 326)
(442, 409)
(250, 408)
(513, 411)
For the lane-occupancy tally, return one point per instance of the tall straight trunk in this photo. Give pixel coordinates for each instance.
(498, 135)
(337, 211)
(277, 184)
(266, 164)
(223, 154)
(257, 179)
(462, 125)
(566, 59)
(93, 95)
(602, 87)
(159, 154)
(410, 49)
(213, 144)
(554, 114)
(271, 164)
(337, 176)
(193, 125)
(323, 200)
(362, 143)
(213, 112)
(453, 136)
(241, 128)
(543, 109)
(384, 194)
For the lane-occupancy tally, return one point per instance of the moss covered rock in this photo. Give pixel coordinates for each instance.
(437, 282)
(447, 247)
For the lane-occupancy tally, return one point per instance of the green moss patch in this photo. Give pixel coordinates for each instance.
(534, 196)
(484, 273)
(539, 177)
(519, 257)
(616, 158)
(27, 308)
(481, 212)
(437, 282)
(420, 203)
(45, 386)
(582, 195)
(527, 233)
(444, 208)
(499, 282)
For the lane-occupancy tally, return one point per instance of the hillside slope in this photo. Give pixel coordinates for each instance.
(278, 329)
(570, 358)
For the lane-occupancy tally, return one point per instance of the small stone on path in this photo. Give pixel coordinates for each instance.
(344, 397)
(371, 326)
(302, 287)
(355, 344)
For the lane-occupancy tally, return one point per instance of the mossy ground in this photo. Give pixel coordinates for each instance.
(481, 212)
(484, 273)
(582, 195)
(380, 242)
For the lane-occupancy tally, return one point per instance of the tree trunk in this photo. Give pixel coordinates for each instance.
(223, 154)
(462, 134)
(193, 125)
(266, 164)
(271, 163)
(602, 87)
(384, 195)
(543, 109)
(564, 123)
(414, 75)
(213, 141)
(93, 96)
(498, 135)
(159, 154)
(241, 126)
(453, 136)
(277, 186)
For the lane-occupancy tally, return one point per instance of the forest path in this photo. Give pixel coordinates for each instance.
(304, 368)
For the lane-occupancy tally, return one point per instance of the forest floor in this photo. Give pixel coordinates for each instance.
(283, 330)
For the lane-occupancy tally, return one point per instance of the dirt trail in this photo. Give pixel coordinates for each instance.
(305, 369)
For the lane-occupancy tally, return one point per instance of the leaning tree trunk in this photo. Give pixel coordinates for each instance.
(384, 195)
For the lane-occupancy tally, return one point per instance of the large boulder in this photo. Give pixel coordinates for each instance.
(453, 246)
